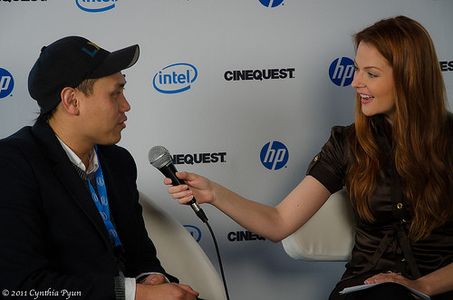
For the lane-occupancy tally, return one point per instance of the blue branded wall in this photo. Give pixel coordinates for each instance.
(244, 92)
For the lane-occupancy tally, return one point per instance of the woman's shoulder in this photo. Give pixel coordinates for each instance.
(448, 128)
(337, 144)
(342, 132)
(329, 165)
(450, 120)
(343, 128)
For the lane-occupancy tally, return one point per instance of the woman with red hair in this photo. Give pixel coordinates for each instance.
(395, 161)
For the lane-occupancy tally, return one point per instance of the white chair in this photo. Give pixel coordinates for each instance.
(328, 235)
(179, 253)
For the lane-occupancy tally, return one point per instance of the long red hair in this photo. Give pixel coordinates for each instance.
(422, 153)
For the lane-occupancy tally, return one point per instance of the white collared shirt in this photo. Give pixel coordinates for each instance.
(93, 162)
(129, 283)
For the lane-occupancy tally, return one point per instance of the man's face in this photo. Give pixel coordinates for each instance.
(103, 111)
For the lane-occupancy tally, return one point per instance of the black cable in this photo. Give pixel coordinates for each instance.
(161, 159)
(219, 259)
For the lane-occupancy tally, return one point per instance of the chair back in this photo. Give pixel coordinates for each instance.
(328, 235)
(179, 253)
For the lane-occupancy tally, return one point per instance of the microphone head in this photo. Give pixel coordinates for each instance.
(159, 157)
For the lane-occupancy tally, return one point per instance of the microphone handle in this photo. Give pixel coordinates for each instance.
(170, 172)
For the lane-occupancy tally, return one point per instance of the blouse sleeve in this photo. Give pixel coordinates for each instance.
(329, 165)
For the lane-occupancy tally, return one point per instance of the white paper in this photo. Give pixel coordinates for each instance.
(367, 286)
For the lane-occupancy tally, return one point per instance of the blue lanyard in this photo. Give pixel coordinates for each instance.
(102, 205)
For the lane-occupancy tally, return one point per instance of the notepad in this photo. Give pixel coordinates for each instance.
(367, 286)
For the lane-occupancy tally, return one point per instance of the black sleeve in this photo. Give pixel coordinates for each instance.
(329, 165)
(27, 256)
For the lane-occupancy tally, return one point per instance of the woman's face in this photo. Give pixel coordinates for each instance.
(373, 81)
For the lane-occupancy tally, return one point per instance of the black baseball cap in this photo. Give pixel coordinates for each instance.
(69, 61)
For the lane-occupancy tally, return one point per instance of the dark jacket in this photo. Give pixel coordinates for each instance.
(51, 234)
(383, 245)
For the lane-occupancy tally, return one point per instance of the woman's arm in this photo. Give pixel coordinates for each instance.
(274, 223)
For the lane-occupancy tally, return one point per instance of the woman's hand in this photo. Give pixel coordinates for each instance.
(396, 278)
(194, 186)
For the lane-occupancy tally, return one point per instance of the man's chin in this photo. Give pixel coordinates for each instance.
(110, 141)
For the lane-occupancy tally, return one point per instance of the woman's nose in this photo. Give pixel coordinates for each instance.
(357, 81)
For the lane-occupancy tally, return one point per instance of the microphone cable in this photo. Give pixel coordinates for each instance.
(161, 159)
(219, 259)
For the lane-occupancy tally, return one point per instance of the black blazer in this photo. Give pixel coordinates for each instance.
(51, 234)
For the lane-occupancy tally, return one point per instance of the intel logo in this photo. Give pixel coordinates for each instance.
(6, 83)
(175, 78)
(341, 71)
(271, 3)
(194, 231)
(95, 6)
(274, 155)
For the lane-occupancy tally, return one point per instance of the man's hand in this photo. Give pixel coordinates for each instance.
(166, 291)
(154, 279)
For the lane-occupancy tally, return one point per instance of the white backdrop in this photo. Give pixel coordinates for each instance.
(198, 44)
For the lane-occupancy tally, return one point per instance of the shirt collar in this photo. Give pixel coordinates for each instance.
(93, 162)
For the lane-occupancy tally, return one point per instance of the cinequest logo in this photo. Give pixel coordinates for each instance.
(271, 3)
(341, 71)
(239, 236)
(446, 66)
(175, 78)
(199, 158)
(274, 155)
(263, 74)
(95, 6)
(194, 231)
(6, 83)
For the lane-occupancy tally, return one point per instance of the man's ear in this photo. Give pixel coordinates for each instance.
(70, 102)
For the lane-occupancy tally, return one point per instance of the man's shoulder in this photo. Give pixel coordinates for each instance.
(113, 151)
(22, 138)
(116, 155)
(17, 151)
(118, 159)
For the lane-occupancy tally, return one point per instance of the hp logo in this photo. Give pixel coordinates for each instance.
(194, 231)
(274, 155)
(271, 3)
(6, 83)
(175, 78)
(341, 71)
(95, 6)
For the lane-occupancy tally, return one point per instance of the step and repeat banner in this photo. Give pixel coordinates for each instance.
(242, 91)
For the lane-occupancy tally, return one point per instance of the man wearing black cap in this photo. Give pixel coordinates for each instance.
(70, 221)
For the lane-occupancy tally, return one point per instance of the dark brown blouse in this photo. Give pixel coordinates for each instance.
(383, 245)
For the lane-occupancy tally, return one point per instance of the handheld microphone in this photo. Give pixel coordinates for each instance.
(161, 159)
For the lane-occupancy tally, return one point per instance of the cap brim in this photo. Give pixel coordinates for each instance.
(117, 61)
